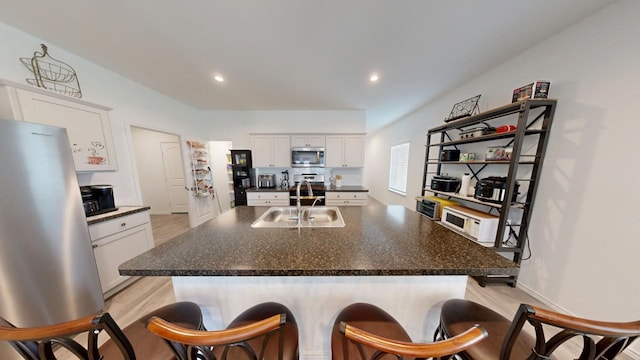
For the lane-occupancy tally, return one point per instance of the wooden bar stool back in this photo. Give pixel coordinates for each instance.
(265, 331)
(365, 332)
(596, 340)
(83, 338)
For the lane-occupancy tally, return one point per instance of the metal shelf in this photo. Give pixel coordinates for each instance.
(529, 122)
(516, 205)
(478, 162)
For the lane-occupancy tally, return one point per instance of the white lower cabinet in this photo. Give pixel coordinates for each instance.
(344, 198)
(116, 241)
(279, 198)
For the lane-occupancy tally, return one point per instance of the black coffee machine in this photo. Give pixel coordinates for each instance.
(97, 199)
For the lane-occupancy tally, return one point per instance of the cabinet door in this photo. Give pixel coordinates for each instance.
(281, 151)
(307, 140)
(115, 249)
(88, 128)
(334, 151)
(299, 141)
(354, 151)
(262, 150)
(316, 140)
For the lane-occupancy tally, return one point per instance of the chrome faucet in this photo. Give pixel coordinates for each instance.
(298, 204)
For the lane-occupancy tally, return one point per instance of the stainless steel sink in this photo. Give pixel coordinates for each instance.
(285, 217)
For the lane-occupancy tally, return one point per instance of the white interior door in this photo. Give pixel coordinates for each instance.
(174, 175)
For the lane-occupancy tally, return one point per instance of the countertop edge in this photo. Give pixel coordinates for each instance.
(286, 272)
(345, 188)
(122, 211)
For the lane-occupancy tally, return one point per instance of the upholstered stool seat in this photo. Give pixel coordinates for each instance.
(594, 340)
(63, 340)
(458, 315)
(265, 331)
(365, 332)
(149, 346)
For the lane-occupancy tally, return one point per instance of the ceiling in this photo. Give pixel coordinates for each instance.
(298, 54)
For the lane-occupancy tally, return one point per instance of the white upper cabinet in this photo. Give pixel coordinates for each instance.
(307, 140)
(88, 125)
(344, 151)
(271, 150)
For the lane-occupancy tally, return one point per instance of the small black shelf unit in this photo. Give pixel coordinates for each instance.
(533, 119)
(241, 165)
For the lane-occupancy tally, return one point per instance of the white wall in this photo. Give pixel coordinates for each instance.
(131, 103)
(134, 104)
(584, 236)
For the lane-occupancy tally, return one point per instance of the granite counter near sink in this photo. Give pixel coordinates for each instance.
(389, 256)
(344, 188)
(393, 240)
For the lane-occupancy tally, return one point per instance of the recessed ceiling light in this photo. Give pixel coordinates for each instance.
(218, 78)
(374, 77)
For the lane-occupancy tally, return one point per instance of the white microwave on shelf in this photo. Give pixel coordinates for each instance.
(480, 226)
(307, 157)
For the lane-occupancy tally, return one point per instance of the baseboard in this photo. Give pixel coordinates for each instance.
(629, 353)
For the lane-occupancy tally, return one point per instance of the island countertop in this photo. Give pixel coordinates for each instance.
(377, 240)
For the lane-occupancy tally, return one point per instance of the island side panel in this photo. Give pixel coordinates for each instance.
(315, 301)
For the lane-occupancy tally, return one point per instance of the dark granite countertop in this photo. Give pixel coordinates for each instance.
(377, 240)
(347, 188)
(274, 189)
(122, 211)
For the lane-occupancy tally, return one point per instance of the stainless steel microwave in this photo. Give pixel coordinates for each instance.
(307, 157)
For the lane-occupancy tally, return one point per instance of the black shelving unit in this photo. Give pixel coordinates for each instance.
(533, 119)
(242, 168)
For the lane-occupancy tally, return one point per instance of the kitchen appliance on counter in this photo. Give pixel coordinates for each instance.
(47, 268)
(431, 206)
(307, 157)
(445, 183)
(493, 189)
(266, 181)
(476, 132)
(285, 179)
(317, 187)
(480, 226)
(450, 155)
(97, 199)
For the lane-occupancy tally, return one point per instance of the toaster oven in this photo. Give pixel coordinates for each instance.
(431, 206)
(480, 226)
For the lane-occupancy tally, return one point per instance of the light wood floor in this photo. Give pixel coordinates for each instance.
(150, 293)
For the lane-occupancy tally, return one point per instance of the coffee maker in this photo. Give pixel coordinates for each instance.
(97, 199)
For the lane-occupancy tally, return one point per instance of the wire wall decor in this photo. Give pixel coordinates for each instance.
(464, 108)
(52, 74)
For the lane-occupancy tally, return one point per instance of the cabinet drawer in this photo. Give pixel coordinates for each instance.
(337, 195)
(359, 198)
(267, 198)
(346, 202)
(109, 227)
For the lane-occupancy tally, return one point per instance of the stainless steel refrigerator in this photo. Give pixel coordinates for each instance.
(48, 273)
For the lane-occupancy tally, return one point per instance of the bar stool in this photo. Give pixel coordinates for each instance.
(366, 332)
(39, 343)
(600, 340)
(265, 331)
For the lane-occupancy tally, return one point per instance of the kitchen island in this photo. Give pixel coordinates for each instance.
(386, 255)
